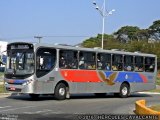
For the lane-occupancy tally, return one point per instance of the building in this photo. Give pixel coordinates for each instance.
(3, 48)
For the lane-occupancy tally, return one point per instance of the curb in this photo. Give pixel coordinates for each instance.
(5, 93)
(153, 93)
(142, 109)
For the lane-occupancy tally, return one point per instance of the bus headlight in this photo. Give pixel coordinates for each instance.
(27, 82)
(24, 83)
(5, 83)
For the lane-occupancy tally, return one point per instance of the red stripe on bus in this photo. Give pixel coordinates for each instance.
(143, 78)
(80, 75)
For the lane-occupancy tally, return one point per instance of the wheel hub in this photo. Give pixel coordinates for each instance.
(62, 91)
(124, 91)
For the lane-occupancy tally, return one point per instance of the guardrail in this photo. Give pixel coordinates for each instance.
(142, 109)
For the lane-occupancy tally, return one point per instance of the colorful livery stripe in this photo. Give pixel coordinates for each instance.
(80, 75)
(101, 76)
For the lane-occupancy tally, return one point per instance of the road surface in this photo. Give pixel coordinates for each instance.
(47, 106)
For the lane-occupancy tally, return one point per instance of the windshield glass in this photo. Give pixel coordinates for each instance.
(20, 63)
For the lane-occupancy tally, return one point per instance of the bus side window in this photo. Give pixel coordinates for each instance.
(117, 64)
(149, 64)
(139, 64)
(104, 61)
(68, 59)
(128, 63)
(87, 60)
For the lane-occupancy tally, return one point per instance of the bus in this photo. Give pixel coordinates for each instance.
(61, 70)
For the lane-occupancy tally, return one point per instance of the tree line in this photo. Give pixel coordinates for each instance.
(131, 39)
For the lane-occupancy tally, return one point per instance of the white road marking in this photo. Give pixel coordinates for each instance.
(36, 112)
(17, 108)
(5, 107)
(154, 93)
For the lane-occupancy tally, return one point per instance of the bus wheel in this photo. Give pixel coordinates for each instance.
(34, 96)
(60, 91)
(124, 90)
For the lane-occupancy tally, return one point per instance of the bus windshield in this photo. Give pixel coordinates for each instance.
(20, 62)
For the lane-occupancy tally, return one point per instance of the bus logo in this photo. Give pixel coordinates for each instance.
(109, 80)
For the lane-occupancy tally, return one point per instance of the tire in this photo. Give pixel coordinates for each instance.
(34, 96)
(60, 91)
(124, 90)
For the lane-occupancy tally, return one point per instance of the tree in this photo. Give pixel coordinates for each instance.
(130, 38)
(142, 34)
(127, 33)
(154, 30)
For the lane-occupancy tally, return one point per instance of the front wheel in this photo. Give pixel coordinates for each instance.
(124, 90)
(60, 91)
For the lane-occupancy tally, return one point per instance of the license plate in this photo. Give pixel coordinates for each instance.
(12, 88)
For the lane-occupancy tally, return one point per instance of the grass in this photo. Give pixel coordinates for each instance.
(1, 73)
(156, 108)
(2, 89)
(158, 81)
(156, 90)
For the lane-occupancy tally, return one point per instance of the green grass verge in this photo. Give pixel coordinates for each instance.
(158, 81)
(156, 90)
(2, 89)
(155, 107)
(1, 73)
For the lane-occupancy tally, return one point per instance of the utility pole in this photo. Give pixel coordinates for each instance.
(39, 38)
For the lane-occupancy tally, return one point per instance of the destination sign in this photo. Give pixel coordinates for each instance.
(20, 46)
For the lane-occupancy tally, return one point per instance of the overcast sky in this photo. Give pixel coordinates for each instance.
(21, 20)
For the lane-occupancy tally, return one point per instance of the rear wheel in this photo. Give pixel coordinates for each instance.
(60, 91)
(124, 90)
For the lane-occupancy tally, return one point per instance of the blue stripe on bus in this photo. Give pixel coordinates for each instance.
(126, 76)
(19, 81)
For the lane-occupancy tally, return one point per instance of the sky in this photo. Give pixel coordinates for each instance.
(70, 21)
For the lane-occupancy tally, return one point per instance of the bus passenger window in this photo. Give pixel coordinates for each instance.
(104, 61)
(62, 62)
(87, 60)
(128, 63)
(68, 59)
(139, 64)
(149, 64)
(117, 64)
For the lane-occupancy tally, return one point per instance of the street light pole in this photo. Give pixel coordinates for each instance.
(103, 18)
(104, 13)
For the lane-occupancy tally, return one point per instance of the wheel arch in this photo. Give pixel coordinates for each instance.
(126, 82)
(64, 82)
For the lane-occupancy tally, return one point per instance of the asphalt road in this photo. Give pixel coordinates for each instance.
(47, 106)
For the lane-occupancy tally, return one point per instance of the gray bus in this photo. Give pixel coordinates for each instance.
(60, 70)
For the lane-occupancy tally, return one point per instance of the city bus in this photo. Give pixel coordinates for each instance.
(62, 70)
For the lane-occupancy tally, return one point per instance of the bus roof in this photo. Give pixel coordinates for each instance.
(65, 46)
(113, 51)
